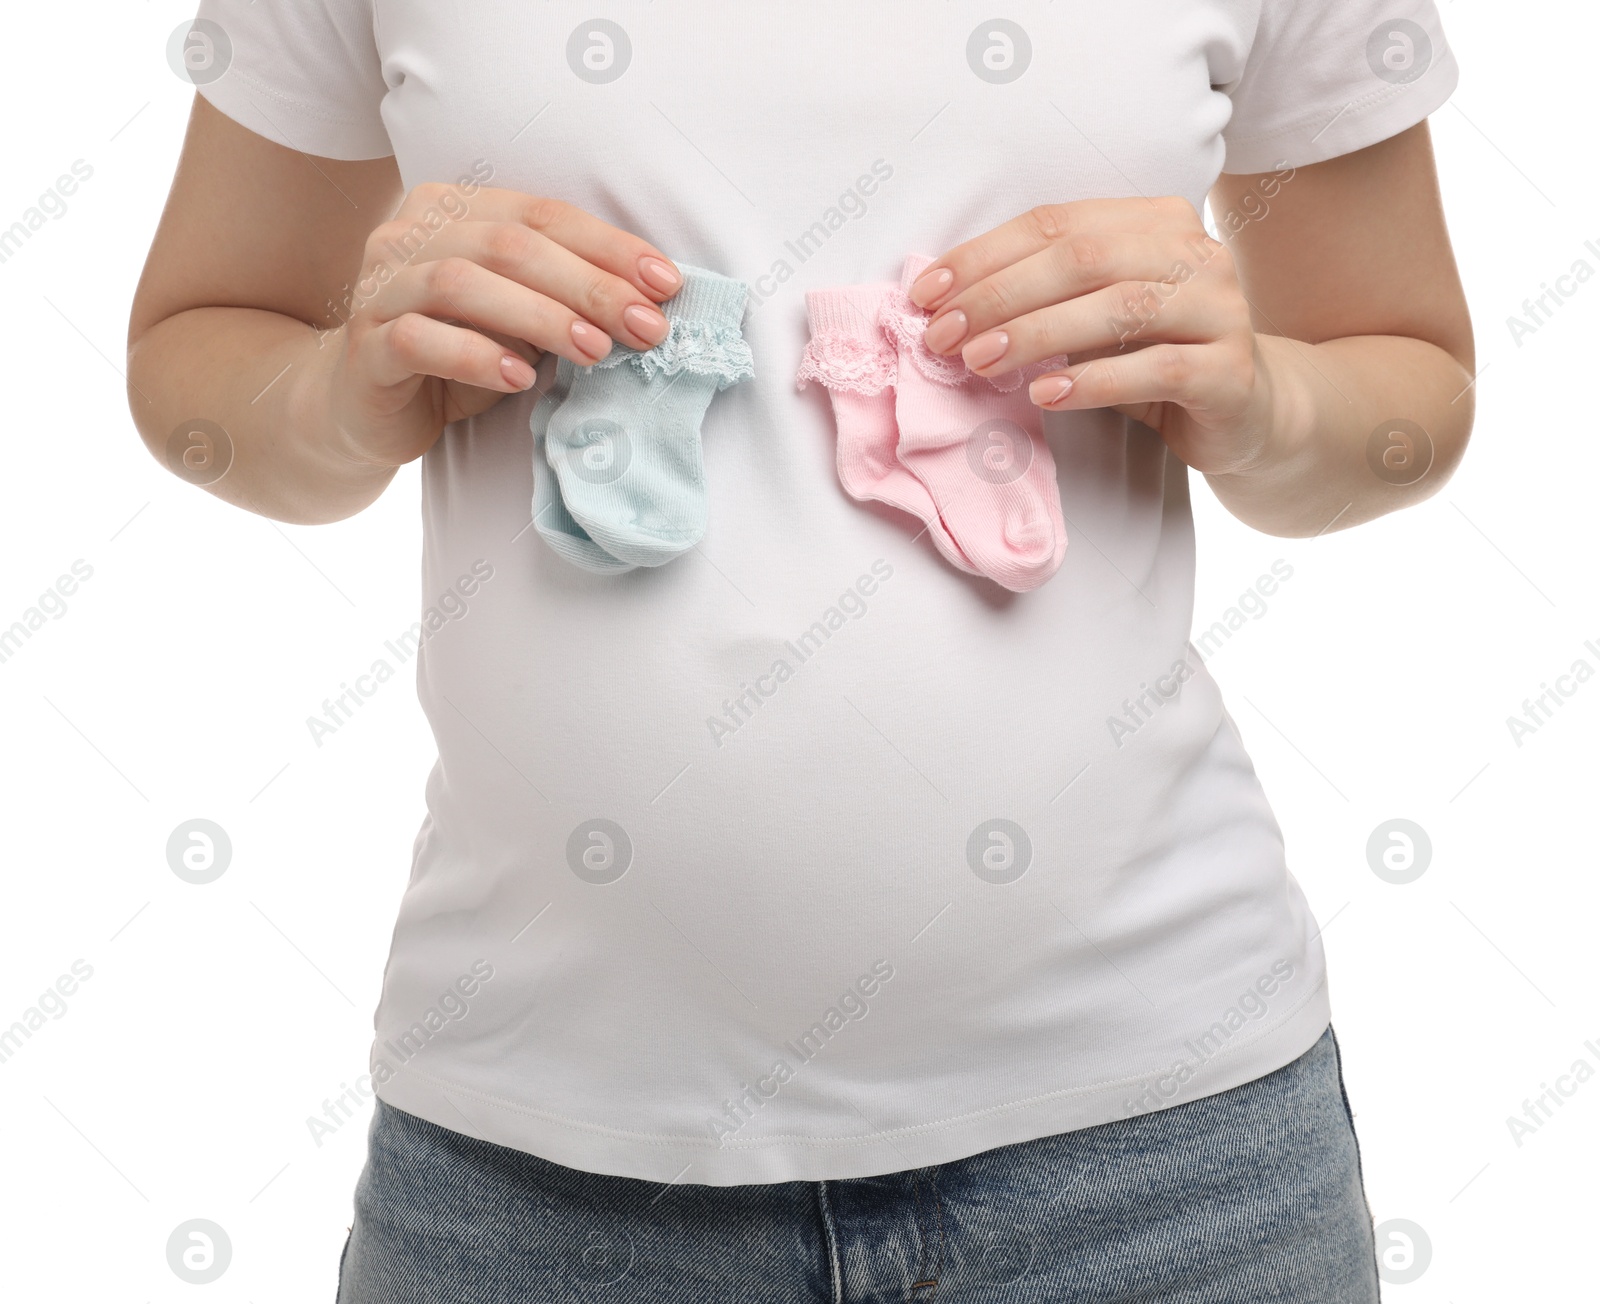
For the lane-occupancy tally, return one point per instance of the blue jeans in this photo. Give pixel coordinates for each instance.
(1250, 1196)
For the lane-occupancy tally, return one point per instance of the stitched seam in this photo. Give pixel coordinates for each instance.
(1361, 1181)
(830, 1143)
(922, 1241)
(299, 106)
(831, 1240)
(1312, 116)
(1355, 109)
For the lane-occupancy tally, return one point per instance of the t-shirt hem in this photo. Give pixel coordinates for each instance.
(701, 1161)
(285, 121)
(1332, 130)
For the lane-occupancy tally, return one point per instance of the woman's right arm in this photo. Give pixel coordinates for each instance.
(332, 326)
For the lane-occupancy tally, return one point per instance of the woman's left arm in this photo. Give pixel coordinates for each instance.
(1317, 366)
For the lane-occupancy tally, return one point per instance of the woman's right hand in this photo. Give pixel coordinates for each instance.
(446, 321)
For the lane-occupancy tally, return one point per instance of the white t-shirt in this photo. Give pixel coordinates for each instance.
(975, 867)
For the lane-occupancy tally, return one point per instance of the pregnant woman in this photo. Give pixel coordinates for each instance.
(843, 903)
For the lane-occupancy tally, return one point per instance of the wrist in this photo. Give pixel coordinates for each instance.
(313, 422)
(1286, 425)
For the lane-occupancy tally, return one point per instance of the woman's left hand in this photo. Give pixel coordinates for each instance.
(1147, 306)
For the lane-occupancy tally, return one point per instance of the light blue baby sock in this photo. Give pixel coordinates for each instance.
(625, 442)
(550, 515)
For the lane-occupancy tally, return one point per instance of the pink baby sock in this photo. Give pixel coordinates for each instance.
(849, 353)
(978, 446)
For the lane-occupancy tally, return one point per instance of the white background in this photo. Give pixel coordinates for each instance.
(177, 684)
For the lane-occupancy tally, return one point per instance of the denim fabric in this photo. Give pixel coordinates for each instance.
(1251, 1196)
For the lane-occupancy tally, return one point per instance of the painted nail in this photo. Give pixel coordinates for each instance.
(646, 323)
(986, 350)
(591, 343)
(947, 332)
(1050, 389)
(932, 286)
(659, 275)
(517, 372)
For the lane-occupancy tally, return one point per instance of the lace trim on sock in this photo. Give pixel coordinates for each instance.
(907, 323)
(696, 347)
(847, 362)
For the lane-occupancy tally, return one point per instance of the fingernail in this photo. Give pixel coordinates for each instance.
(1050, 389)
(932, 286)
(591, 343)
(659, 275)
(517, 372)
(986, 349)
(646, 323)
(947, 332)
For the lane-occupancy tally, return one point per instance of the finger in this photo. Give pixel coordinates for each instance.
(413, 345)
(534, 260)
(982, 256)
(458, 289)
(1119, 317)
(619, 252)
(529, 353)
(1063, 270)
(1194, 376)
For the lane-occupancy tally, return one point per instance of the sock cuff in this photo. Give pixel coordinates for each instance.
(703, 336)
(906, 324)
(707, 298)
(850, 311)
(848, 349)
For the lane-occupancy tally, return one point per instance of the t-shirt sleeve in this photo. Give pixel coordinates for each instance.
(1325, 77)
(303, 73)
